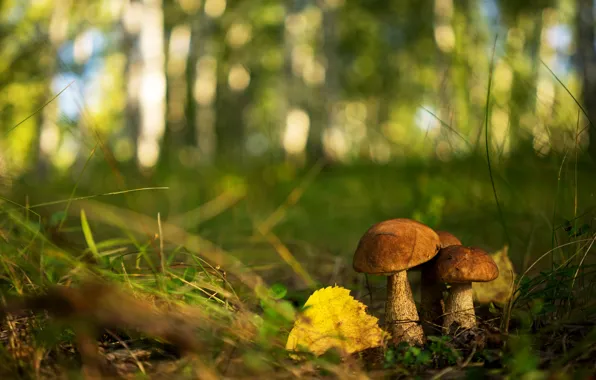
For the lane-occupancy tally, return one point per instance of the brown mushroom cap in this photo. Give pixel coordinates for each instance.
(448, 239)
(458, 264)
(395, 245)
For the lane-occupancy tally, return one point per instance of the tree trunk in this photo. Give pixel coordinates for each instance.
(152, 87)
(587, 62)
(202, 83)
(177, 126)
(131, 74)
(523, 88)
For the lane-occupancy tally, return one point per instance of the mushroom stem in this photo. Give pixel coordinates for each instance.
(460, 307)
(431, 298)
(401, 316)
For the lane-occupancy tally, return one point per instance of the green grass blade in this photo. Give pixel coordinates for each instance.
(88, 235)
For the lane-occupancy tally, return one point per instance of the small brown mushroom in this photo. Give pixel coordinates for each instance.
(390, 248)
(431, 290)
(448, 239)
(460, 266)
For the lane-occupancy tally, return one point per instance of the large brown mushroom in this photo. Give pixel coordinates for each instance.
(390, 248)
(431, 289)
(460, 266)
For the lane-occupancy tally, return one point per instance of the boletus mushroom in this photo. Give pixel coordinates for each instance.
(459, 266)
(390, 248)
(431, 289)
(448, 239)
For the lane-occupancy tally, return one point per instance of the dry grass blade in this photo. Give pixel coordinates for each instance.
(69, 200)
(138, 363)
(582, 261)
(39, 109)
(209, 209)
(288, 258)
(277, 216)
(162, 260)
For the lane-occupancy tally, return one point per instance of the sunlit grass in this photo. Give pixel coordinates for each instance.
(240, 327)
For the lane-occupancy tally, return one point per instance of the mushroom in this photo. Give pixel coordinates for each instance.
(460, 266)
(431, 289)
(390, 248)
(448, 239)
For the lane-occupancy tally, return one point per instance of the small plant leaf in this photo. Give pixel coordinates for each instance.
(278, 291)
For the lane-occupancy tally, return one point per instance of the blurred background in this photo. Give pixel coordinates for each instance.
(286, 128)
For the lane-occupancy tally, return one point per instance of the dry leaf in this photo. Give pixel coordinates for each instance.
(333, 318)
(499, 290)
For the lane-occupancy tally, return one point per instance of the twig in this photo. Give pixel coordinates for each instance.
(162, 262)
(132, 354)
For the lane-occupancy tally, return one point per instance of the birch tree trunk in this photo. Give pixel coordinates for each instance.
(152, 96)
(130, 30)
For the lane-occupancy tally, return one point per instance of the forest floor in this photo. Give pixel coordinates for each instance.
(204, 279)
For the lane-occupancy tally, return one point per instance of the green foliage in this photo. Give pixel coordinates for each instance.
(433, 213)
(512, 10)
(442, 351)
(277, 292)
(277, 317)
(522, 361)
(552, 294)
(408, 356)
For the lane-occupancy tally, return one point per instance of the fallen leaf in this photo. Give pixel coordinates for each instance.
(333, 318)
(499, 290)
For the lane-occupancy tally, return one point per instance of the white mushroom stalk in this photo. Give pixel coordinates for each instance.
(460, 304)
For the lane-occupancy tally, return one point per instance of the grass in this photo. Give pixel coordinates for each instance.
(204, 300)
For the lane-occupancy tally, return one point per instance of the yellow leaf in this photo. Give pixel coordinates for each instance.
(333, 318)
(499, 290)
